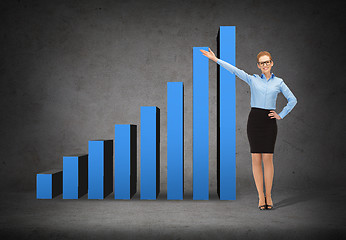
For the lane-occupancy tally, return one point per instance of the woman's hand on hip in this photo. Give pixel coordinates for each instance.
(273, 114)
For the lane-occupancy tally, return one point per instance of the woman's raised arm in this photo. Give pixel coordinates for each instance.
(233, 69)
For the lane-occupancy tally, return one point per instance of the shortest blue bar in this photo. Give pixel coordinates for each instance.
(75, 176)
(49, 184)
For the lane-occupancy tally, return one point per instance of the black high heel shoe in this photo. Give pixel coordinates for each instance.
(263, 207)
(268, 206)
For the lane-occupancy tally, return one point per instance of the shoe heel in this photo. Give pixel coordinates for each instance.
(268, 205)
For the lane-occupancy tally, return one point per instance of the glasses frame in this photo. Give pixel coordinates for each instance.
(262, 63)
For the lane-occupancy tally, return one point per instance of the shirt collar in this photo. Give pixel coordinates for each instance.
(272, 76)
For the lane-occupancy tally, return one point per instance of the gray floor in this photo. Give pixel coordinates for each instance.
(297, 215)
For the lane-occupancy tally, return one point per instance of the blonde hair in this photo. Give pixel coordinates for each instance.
(263, 53)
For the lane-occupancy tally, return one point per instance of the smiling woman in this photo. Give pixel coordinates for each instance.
(261, 126)
(265, 62)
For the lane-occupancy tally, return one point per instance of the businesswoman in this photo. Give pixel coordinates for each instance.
(261, 125)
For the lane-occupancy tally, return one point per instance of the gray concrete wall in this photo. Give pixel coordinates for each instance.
(70, 71)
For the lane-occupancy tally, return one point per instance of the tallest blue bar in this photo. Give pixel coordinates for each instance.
(200, 124)
(226, 116)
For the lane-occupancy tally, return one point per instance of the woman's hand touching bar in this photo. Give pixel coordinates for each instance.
(229, 67)
(209, 55)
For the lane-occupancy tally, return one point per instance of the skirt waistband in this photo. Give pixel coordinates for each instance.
(261, 109)
(260, 117)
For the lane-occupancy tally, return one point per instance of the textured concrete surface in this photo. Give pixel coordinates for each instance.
(298, 214)
(71, 70)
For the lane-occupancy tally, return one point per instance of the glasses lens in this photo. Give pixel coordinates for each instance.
(265, 63)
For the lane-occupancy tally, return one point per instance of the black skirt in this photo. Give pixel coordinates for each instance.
(261, 131)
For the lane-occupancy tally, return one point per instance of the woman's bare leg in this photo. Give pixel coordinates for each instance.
(258, 176)
(268, 175)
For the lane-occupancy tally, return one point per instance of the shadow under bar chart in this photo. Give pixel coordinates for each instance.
(226, 122)
(100, 169)
(150, 152)
(125, 161)
(200, 124)
(175, 140)
(49, 184)
(75, 176)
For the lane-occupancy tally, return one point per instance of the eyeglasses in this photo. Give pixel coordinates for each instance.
(266, 63)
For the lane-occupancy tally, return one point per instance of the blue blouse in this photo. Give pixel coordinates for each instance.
(264, 92)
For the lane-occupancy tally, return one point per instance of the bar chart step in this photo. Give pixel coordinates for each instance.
(75, 176)
(150, 152)
(100, 168)
(125, 161)
(49, 184)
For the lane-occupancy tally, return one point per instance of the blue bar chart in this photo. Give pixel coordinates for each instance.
(125, 161)
(100, 165)
(75, 176)
(110, 166)
(226, 117)
(200, 125)
(175, 140)
(150, 152)
(49, 184)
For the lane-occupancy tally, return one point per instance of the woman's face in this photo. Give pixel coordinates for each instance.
(265, 64)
